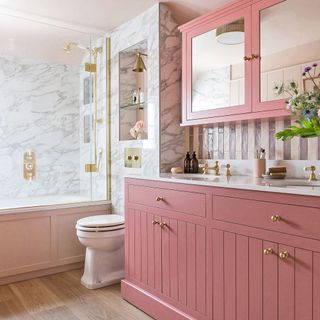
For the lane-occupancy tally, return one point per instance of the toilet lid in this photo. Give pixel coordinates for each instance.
(101, 221)
(100, 229)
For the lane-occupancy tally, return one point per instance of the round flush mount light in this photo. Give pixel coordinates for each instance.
(232, 33)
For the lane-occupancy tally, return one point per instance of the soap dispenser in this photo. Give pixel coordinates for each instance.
(187, 163)
(194, 164)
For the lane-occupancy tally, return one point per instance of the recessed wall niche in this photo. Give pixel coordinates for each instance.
(133, 92)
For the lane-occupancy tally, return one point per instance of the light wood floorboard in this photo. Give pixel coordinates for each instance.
(62, 297)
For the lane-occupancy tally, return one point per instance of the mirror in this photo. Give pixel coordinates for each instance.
(289, 41)
(218, 67)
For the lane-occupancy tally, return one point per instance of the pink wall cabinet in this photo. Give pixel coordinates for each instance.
(235, 57)
(226, 260)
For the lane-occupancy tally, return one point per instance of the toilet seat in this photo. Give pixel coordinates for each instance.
(102, 223)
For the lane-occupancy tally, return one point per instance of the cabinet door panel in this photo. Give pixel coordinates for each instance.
(137, 245)
(170, 259)
(270, 282)
(255, 278)
(182, 264)
(316, 285)
(174, 275)
(157, 256)
(218, 274)
(230, 275)
(150, 251)
(242, 277)
(249, 284)
(144, 248)
(286, 285)
(217, 80)
(303, 284)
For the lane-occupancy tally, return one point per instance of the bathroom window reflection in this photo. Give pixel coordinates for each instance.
(52, 81)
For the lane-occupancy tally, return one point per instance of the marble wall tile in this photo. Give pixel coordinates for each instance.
(157, 27)
(39, 111)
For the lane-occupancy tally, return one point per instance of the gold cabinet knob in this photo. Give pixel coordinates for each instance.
(247, 58)
(275, 218)
(129, 158)
(267, 251)
(159, 198)
(163, 224)
(154, 222)
(284, 255)
(135, 158)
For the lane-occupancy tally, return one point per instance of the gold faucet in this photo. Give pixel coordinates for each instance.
(312, 176)
(205, 168)
(228, 172)
(216, 168)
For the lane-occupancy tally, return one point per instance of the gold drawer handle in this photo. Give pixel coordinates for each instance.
(159, 198)
(275, 218)
(267, 251)
(284, 255)
(163, 224)
(154, 222)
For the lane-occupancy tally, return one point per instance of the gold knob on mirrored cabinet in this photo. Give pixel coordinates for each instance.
(155, 222)
(267, 251)
(275, 218)
(159, 198)
(254, 56)
(284, 255)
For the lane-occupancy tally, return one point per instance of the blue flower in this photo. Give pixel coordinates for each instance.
(308, 113)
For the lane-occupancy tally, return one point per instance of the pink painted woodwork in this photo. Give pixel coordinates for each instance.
(187, 202)
(40, 241)
(252, 108)
(294, 219)
(214, 267)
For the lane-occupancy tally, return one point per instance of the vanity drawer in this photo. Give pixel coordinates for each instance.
(290, 219)
(177, 200)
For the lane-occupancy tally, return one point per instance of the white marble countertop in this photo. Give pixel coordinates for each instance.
(290, 186)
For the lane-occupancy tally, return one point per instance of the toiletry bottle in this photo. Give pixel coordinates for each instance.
(194, 164)
(134, 96)
(141, 96)
(138, 95)
(187, 163)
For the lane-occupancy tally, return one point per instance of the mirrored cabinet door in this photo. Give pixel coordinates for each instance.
(287, 39)
(220, 73)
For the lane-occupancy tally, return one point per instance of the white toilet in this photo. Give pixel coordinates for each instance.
(103, 236)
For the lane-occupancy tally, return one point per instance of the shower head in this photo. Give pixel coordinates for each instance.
(68, 47)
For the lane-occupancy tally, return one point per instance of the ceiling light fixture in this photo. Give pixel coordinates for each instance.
(231, 33)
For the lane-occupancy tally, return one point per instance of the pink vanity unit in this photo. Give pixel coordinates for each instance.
(201, 252)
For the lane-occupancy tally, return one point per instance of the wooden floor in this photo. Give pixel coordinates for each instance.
(62, 297)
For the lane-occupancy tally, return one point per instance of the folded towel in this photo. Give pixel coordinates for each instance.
(277, 169)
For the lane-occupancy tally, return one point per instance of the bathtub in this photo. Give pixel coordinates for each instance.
(38, 236)
(41, 201)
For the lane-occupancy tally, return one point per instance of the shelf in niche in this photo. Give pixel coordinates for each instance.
(140, 105)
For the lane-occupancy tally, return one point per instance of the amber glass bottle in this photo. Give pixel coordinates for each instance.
(194, 164)
(187, 163)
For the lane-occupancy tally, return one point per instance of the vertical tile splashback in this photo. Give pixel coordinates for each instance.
(240, 140)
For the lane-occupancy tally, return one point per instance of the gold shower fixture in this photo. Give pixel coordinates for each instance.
(139, 65)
